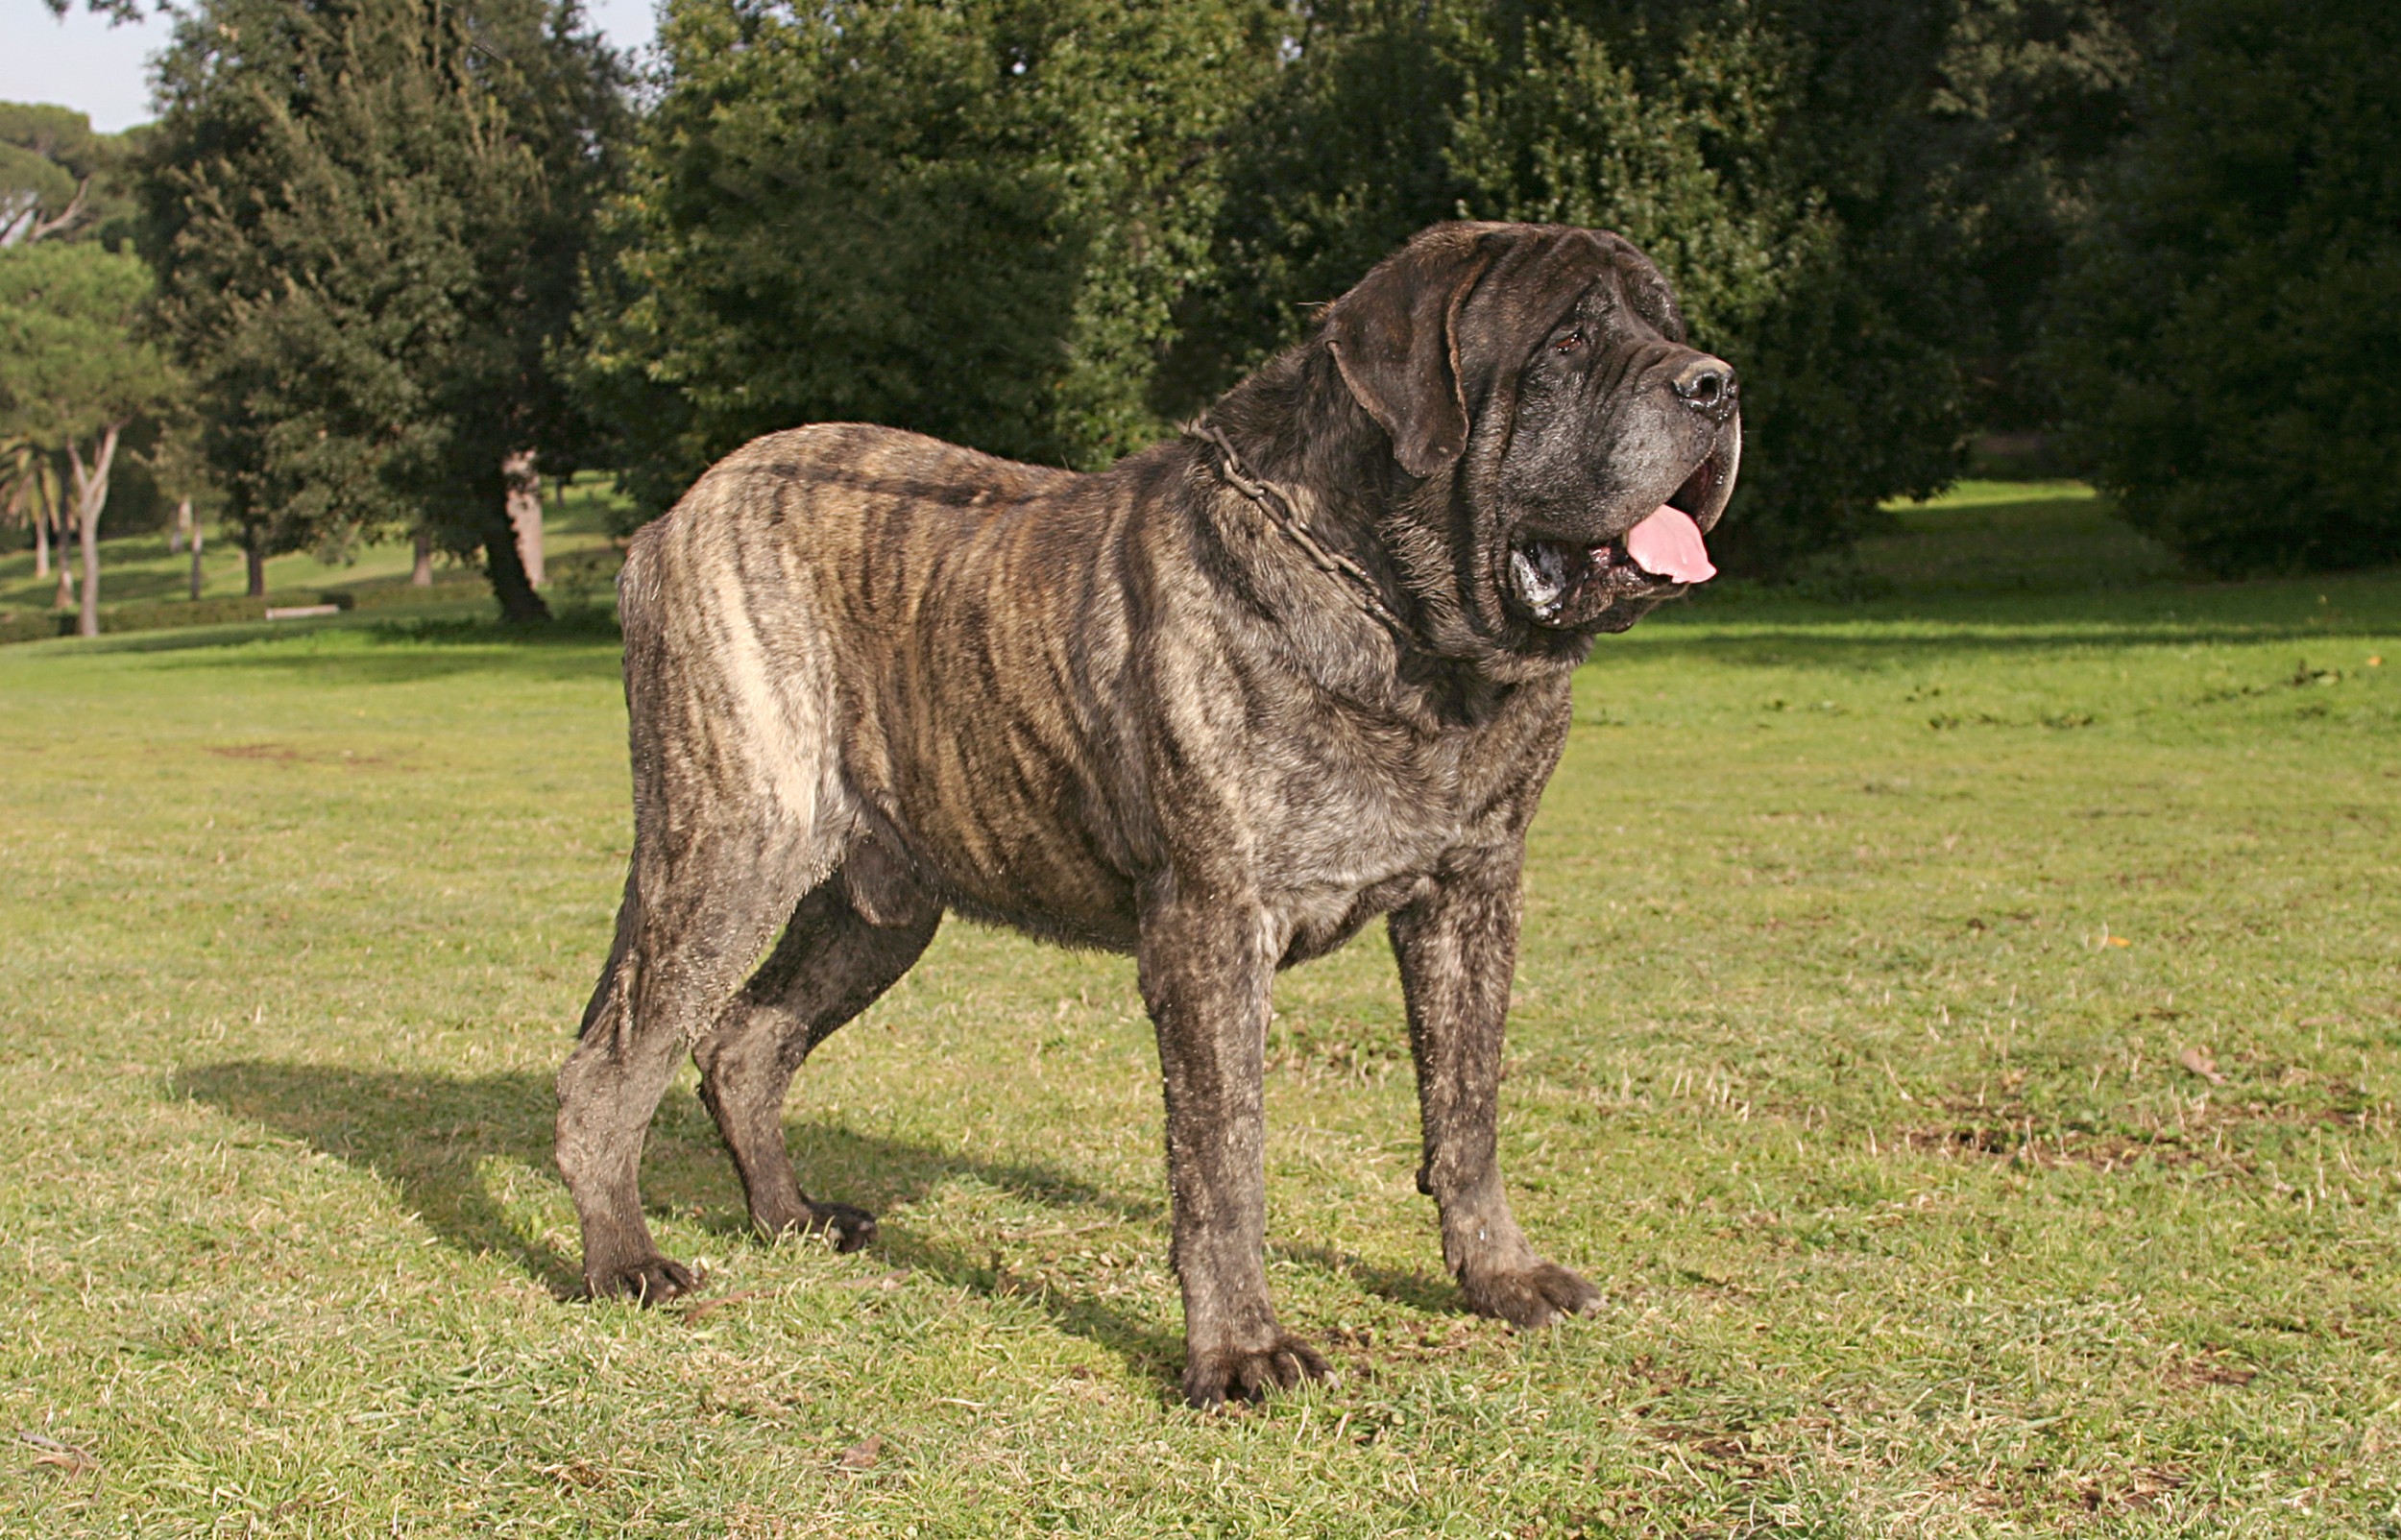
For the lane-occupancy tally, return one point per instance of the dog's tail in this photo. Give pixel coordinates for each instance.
(613, 998)
(639, 601)
(639, 608)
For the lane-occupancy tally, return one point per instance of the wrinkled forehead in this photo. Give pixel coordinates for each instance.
(1534, 285)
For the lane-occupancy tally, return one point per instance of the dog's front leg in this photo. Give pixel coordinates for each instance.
(1206, 962)
(1458, 952)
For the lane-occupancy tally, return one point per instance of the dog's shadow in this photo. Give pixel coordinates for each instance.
(431, 1135)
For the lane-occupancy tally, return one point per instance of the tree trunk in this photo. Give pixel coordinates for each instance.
(17, 505)
(87, 614)
(255, 561)
(525, 508)
(519, 602)
(91, 495)
(421, 575)
(195, 557)
(53, 490)
(41, 528)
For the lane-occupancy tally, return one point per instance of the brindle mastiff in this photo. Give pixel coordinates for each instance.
(1218, 705)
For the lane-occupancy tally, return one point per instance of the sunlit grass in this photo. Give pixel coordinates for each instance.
(1974, 493)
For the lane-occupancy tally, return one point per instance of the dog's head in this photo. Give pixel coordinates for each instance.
(1539, 376)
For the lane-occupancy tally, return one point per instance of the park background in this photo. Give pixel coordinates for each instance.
(1957, 1020)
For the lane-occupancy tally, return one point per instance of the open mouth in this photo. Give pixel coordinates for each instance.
(1565, 584)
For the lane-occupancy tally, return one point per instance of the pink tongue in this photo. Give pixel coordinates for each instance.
(1668, 544)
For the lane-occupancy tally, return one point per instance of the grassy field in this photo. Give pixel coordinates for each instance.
(1957, 1030)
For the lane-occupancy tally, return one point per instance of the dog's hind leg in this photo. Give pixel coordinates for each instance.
(737, 815)
(685, 934)
(833, 963)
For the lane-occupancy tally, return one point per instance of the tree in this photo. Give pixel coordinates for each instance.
(74, 374)
(2031, 100)
(58, 180)
(45, 477)
(973, 219)
(117, 11)
(29, 496)
(1778, 158)
(2221, 339)
(369, 217)
(39, 197)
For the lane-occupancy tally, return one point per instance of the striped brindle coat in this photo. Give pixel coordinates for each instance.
(1218, 705)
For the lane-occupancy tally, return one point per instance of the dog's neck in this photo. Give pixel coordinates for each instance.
(1296, 423)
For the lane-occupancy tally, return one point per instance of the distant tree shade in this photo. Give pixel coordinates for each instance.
(369, 217)
(2226, 339)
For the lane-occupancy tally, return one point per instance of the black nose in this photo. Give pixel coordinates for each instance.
(1707, 384)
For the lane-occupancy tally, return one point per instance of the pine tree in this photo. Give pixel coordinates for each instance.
(59, 181)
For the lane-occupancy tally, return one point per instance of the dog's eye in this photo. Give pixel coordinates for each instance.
(1568, 342)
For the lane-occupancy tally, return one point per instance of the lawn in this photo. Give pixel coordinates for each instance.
(1957, 1030)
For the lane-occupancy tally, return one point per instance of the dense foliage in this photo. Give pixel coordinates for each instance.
(369, 217)
(1048, 232)
(1838, 191)
(2226, 339)
(970, 219)
(2033, 99)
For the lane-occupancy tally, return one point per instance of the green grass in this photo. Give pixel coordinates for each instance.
(2002, 536)
(1867, 946)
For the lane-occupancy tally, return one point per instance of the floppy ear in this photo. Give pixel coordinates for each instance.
(1396, 340)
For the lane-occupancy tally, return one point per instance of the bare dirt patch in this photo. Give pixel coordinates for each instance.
(285, 754)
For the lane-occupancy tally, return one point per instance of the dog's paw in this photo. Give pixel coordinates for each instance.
(650, 1281)
(1217, 1375)
(850, 1229)
(1541, 1294)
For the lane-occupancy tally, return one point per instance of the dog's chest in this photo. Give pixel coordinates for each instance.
(1336, 810)
(1348, 823)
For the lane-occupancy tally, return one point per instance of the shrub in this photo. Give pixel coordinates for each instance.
(2224, 342)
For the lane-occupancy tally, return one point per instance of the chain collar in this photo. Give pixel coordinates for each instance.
(1279, 510)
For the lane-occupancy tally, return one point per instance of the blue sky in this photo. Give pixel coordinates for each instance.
(85, 64)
